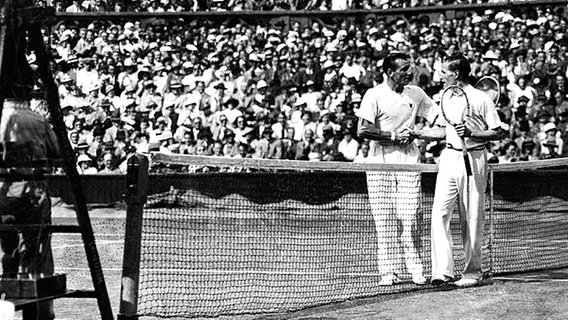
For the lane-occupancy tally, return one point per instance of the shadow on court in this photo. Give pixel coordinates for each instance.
(544, 276)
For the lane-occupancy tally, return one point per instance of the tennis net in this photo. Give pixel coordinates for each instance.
(276, 236)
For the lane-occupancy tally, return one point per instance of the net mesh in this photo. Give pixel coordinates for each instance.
(271, 241)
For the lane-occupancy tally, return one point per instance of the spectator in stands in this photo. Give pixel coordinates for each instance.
(289, 145)
(551, 145)
(262, 145)
(74, 7)
(510, 153)
(363, 154)
(243, 151)
(330, 145)
(348, 147)
(241, 129)
(84, 165)
(309, 148)
(528, 151)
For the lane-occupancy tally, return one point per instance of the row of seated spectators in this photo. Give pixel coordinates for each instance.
(73, 6)
(290, 91)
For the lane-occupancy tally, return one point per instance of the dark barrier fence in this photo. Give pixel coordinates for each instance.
(107, 189)
(101, 189)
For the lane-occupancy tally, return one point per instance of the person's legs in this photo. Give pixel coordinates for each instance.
(381, 199)
(37, 258)
(408, 199)
(445, 198)
(472, 216)
(11, 211)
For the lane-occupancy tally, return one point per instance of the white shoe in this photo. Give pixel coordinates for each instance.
(464, 282)
(419, 280)
(388, 280)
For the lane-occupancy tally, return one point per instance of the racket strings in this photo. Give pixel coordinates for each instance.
(491, 87)
(454, 104)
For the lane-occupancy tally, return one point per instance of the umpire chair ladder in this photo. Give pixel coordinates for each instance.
(18, 14)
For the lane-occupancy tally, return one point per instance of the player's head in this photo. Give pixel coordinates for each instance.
(456, 68)
(398, 68)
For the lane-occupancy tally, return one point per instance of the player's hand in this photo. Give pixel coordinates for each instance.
(404, 136)
(463, 130)
(415, 133)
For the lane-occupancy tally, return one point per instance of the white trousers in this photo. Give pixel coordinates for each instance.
(394, 199)
(454, 186)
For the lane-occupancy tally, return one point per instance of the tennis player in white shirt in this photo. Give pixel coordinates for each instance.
(386, 117)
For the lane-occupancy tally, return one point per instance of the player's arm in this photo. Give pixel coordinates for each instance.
(434, 129)
(485, 135)
(493, 127)
(434, 133)
(367, 130)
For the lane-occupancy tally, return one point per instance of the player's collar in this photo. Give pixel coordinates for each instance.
(392, 89)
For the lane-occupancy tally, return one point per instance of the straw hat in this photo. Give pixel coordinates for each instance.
(83, 158)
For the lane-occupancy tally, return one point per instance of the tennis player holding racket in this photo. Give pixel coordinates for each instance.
(470, 121)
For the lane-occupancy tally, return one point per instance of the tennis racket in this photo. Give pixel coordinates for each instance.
(449, 107)
(490, 86)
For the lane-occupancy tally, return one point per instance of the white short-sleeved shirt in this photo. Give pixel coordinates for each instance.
(392, 111)
(483, 116)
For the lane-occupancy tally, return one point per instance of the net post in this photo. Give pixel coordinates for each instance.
(136, 195)
(491, 218)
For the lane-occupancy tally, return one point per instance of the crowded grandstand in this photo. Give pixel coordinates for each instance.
(290, 89)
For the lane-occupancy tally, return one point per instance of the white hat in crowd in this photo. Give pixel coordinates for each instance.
(261, 84)
(83, 158)
(549, 126)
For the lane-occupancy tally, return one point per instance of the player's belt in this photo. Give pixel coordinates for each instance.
(476, 148)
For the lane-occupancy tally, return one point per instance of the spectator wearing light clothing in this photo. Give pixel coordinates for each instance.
(84, 165)
(279, 128)
(551, 144)
(363, 154)
(348, 146)
(350, 69)
(311, 96)
(522, 88)
(87, 77)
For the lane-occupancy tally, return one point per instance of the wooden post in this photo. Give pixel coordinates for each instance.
(491, 218)
(136, 192)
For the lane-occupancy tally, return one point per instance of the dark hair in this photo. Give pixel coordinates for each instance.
(459, 63)
(390, 61)
(508, 145)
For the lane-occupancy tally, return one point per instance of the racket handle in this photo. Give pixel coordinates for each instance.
(467, 165)
(466, 158)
